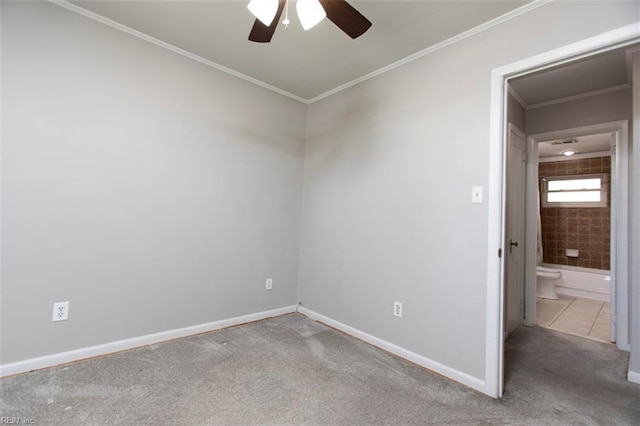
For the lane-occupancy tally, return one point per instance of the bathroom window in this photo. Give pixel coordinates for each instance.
(575, 191)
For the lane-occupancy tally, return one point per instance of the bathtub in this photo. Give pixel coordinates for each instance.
(583, 282)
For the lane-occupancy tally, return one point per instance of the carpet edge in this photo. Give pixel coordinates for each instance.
(429, 364)
(52, 360)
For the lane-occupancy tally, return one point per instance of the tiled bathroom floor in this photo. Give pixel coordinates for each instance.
(573, 315)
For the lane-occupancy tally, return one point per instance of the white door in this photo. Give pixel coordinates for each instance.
(514, 244)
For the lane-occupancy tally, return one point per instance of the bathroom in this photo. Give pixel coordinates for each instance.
(575, 232)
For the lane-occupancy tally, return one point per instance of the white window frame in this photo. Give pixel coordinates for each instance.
(604, 179)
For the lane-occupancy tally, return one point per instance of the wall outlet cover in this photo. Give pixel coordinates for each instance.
(397, 309)
(60, 311)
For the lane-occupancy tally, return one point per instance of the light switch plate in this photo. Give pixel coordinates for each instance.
(476, 195)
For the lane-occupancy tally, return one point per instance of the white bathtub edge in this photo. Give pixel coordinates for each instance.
(583, 282)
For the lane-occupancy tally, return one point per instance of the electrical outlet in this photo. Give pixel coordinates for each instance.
(269, 284)
(60, 311)
(397, 309)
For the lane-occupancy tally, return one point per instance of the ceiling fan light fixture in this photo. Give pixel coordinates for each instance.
(264, 10)
(310, 13)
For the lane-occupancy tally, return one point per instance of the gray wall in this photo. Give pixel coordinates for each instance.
(149, 190)
(603, 108)
(387, 213)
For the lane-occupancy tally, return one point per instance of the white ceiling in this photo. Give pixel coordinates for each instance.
(594, 73)
(583, 145)
(305, 64)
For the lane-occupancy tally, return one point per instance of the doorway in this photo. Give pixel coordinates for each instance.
(498, 240)
(602, 257)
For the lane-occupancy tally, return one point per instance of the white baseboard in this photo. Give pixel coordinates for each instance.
(451, 373)
(134, 342)
(633, 377)
(585, 294)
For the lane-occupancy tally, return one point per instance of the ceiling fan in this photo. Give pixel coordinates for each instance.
(310, 12)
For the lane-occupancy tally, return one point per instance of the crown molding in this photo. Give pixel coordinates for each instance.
(580, 96)
(113, 24)
(438, 46)
(517, 97)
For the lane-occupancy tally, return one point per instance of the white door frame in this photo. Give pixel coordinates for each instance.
(619, 223)
(494, 346)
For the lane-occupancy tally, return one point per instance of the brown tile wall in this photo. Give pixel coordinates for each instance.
(584, 228)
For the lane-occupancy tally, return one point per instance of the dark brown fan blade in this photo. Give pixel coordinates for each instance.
(260, 33)
(346, 17)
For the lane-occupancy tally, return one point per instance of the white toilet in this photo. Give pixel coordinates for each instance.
(546, 282)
